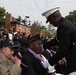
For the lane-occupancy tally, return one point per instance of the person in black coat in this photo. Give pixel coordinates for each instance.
(65, 38)
(23, 41)
(33, 58)
(60, 66)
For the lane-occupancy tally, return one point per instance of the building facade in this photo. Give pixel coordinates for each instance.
(12, 23)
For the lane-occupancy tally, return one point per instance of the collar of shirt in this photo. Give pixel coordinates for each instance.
(36, 55)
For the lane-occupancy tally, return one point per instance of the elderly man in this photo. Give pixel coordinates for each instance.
(66, 38)
(36, 63)
(8, 64)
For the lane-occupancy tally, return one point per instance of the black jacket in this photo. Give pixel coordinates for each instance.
(66, 37)
(34, 65)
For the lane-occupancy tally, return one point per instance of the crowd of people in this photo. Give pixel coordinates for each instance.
(32, 55)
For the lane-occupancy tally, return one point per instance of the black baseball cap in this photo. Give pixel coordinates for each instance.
(7, 43)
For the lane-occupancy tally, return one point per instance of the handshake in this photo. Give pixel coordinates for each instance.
(46, 65)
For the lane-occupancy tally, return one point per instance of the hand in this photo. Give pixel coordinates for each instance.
(51, 69)
(63, 61)
(17, 61)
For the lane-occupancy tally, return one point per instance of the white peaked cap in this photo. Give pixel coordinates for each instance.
(50, 12)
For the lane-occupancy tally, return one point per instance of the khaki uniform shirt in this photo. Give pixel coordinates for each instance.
(7, 67)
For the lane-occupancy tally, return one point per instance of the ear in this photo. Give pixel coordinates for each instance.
(31, 45)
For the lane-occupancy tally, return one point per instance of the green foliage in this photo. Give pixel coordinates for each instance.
(72, 16)
(38, 28)
(35, 28)
(2, 14)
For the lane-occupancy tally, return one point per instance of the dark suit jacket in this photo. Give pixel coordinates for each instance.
(34, 66)
(66, 36)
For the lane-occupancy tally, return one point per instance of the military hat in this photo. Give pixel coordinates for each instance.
(50, 12)
(34, 38)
